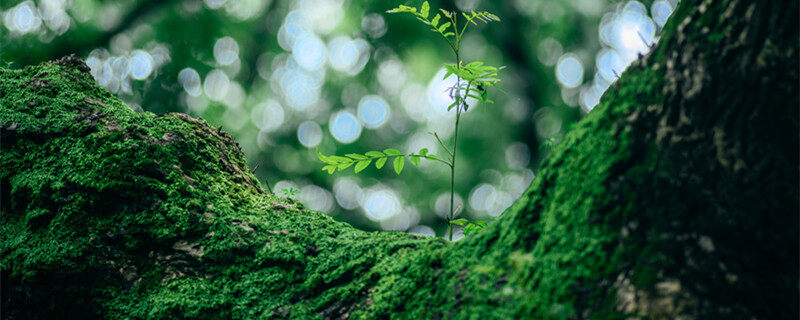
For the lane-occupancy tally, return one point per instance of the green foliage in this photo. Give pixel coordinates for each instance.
(361, 162)
(548, 144)
(290, 191)
(448, 30)
(476, 72)
(471, 76)
(469, 226)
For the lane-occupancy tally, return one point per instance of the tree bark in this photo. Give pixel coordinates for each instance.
(676, 197)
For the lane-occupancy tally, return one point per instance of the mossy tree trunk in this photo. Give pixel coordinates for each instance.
(677, 196)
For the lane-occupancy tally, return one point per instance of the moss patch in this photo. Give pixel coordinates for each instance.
(673, 198)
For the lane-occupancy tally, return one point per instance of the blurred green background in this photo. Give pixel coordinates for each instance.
(286, 78)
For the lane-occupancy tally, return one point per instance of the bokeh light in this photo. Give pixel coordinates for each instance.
(268, 115)
(216, 85)
(190, 80)
(345, 127)
(569, 70)
(316, 198)
(423, 231)
(374, 25)
(348, 193)
(442, 204)
(373, 111)
(226, 51)
(309, 52)
(309, 134)
(661, 10)
(380, 204)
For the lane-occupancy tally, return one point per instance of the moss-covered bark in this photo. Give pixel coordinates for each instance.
(677, 196)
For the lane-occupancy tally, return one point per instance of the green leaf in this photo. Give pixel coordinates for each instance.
(452, 105)
(435, 20)
(423, 152)
(414, 160)
(361, 165)
(474, 226)
(356, 156)
(469, 19)
(402, 8)
(443, 27)
(330, 168)
(433, 156)
(380, 162)
(344, 165)
(374, 154)
(398, 164)
(424, 10)
(340, 159)
(470, 228)
(325, 158)
(475, 97)
(446, 13)
(459, 222)
(392, 152)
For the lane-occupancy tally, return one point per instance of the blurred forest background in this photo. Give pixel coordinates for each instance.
(288, 77)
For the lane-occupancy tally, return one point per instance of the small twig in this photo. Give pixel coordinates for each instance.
(268, 186)
(253, 171)
(441, 143)
(641, 37)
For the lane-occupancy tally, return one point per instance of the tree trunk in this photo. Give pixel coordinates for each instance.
(676, 197)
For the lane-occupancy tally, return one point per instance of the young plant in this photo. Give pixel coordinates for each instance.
(289, 192)
(548, 144)
(472, 81)
(469, 226)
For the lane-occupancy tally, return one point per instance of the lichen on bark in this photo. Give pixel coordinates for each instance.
(676, 197)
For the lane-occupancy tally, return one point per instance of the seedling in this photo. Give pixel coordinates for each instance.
(548, 144)
(472, 81)
(290, 192)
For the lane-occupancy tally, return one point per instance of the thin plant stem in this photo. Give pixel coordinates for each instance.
(455, 146)
(453, 172)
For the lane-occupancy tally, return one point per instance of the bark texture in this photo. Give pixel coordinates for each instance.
(677, 197)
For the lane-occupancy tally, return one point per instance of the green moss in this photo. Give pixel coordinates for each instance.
(115, 214)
